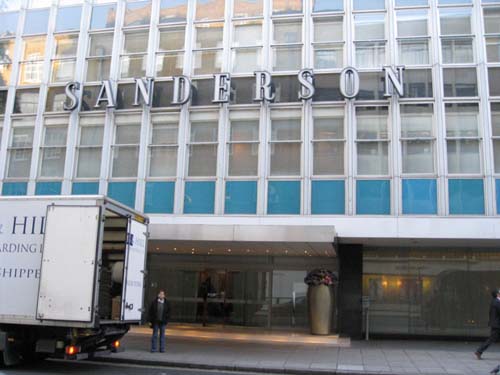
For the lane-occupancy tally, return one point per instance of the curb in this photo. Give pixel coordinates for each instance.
(234, 368)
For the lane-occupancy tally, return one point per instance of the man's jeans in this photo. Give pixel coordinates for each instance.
(158, 329)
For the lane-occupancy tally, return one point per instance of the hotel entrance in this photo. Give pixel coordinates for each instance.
(230, 284)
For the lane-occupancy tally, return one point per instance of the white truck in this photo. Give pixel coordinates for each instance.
(72, 271)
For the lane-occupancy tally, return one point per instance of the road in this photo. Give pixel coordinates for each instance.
(84, 367)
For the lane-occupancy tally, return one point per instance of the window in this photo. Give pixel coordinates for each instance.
(103, 17)
(328, 141)
(287, 7)
(328, 6)
(417, 138)
(287, 45)
(495, 125)
(369, 40)
(369, 4)
(328, 42)
(210, 10)
(32, 64)
(64, 61)
(494, 81)
(89, 149)
(126, 146)
(133, 58)
(286, 143)
(492, 31)
(68, 18)
(20, 148)
(247, 46)
(409, 3)
(247, 8)
(36, 22)
(462, 138)
(26, 101)
(170, 56)
(207, 55)
(202, 145)
(99, 57)
(53, 149)
(413, 40)
(372, 140)
(456, 35)
(6, 56)
(460, 82)
(243, 144)
(137, 14)
(173, 11)
(163, 146)
(8, 24)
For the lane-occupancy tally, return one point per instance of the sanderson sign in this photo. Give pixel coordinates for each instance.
(264, 89)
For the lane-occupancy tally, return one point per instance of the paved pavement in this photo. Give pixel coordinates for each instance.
(373, 357)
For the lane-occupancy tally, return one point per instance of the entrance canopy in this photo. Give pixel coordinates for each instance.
(244, 239)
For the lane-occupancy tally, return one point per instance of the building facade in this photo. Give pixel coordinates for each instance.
(399, 194)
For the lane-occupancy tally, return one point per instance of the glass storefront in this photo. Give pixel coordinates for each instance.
(257, 291)
(430, 291)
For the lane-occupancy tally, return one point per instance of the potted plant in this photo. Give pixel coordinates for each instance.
(320, 300)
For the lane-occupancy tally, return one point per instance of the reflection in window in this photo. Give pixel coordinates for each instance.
(36, 21)
(210, 9)
(20, 148)
(68, 18)
(163, 146)
(328, 141)
(89, 148)
(53, 149)
(247, 8)
(287, 7)
(99, 57)
(103, 16)
(125, 147)
(243, 145)
(137, 13)
(8, 24)
(173, 11)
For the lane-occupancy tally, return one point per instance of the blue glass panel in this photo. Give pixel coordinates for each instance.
(408, 3)
(15, 188)
(444, 2)
(8, 24)
(328, 197)
(123, 192)
(466, 197)
(36, 21)
(420, 197)
(283, 198)
(85, 188)
(159, 197)
(241, 197)
(68, 18)
(328, 5)
(373, 197)
(498, 196)
(103, 16)
(48, 188)
(199, 197)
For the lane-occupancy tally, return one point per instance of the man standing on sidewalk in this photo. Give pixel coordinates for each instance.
(494, 324)
(159, 315)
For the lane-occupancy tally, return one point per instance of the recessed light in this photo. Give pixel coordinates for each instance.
(175, 249)
(192, 249)
(228, 250)
(157, 248)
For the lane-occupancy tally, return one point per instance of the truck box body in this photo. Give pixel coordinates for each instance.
(58, 255)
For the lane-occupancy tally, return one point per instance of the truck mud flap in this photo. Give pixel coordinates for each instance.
(11, 356)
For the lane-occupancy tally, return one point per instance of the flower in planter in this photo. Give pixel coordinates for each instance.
(320, 276)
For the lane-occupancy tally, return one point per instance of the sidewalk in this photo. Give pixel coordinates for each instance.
(358, 357)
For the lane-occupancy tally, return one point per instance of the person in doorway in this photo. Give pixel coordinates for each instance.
(159, 315)
(494, 324)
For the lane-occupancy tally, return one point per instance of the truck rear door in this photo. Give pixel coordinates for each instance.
(69, 262)
(135, 266)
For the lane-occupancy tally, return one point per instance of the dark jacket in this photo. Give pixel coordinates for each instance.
(494, 313)
(153, 308)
